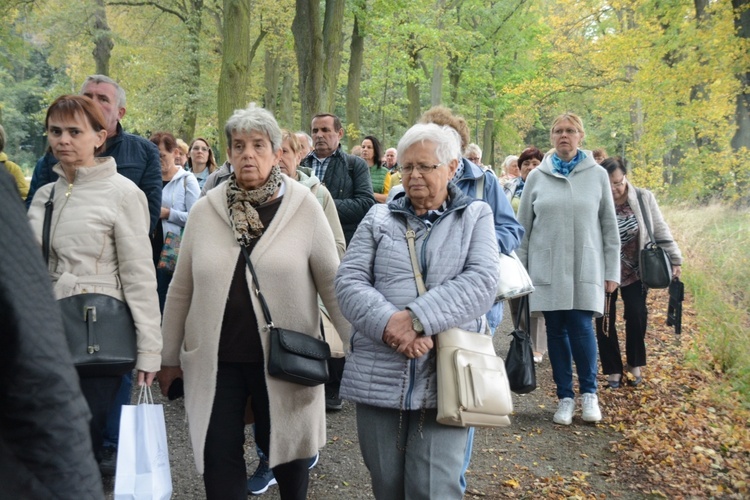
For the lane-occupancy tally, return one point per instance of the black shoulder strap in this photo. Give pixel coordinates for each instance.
(645, 216)
(49, 206)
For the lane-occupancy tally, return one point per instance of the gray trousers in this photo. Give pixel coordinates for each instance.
(430, 466)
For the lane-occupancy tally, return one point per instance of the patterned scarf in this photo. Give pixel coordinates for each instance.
(566, 167)
(244, 218)
(519, 188)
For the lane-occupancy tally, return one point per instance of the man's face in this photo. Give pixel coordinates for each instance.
(391, 157)
(325, 138)
(105, 96)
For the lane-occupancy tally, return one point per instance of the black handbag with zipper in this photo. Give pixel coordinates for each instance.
(519, 363)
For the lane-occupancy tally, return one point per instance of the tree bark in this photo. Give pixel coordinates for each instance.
(488, 139)
(285, 101)
(436, 89)
(412, 87)
(741, 138)
(333, 47)
(237, 57)
(308, 47)
(192, 81)
(357, 51)
(103, 43)
(271, 78)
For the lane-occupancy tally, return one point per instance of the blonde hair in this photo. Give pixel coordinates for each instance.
(572, 118)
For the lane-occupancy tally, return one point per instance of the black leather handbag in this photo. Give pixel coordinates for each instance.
(519, 363)
(294, 356)
(654, 265)
(99, 328)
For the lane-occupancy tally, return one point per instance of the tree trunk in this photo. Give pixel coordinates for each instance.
(271, 78)
(308, 46)
(698, 92)
(357, 51)
(741, 137)
(192, 81)
(103, 43)
(237, 56)
(412, 88)
(333, 47)
(454, 77)
(285, 101)
(436, 90)
(488, 139)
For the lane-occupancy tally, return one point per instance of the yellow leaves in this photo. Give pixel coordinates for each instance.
(511, 483)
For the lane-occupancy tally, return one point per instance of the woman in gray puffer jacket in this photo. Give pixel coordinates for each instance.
(390, 371)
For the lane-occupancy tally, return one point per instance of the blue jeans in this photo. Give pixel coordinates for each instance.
(570, 337)
(467, 459)
(112, 431)
(495, 316)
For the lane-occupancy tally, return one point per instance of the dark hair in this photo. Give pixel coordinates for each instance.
(336, 120)
(377, 149)
(67, 107)
(164, 138)
(614, 163)
(530, 153)
(210, 163)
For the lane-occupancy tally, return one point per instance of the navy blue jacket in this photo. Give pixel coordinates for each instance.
(137, 159)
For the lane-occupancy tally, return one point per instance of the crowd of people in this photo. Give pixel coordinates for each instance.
(187, 244)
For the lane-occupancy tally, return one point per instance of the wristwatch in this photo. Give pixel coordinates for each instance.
(415, 323)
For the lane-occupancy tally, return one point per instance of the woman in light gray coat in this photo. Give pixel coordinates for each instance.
(572, 252)
(390, 372)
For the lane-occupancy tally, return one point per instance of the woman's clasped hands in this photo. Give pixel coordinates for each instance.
(400, 335)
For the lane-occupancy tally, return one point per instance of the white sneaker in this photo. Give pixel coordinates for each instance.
(564, 413)
(591, 412)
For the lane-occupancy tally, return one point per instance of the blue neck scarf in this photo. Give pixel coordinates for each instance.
(519, 188)
(566, 167)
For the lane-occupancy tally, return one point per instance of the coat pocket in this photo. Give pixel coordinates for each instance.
(591, 266)
(540, 266)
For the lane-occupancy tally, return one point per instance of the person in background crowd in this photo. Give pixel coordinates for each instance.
(391, 162)
(348, 180)
(631, 222)
(600, 155)
(212, 319)
(137, 159)
(510, 169)
(181, 153)
(201, 160)
(571, 250)
(379, 175)
(508, 231)
(474, 154)
(529, 159)
(99, 240)
(357, 151)
(180, 192)
(21, 183)
(45, 444)
(390, 373)
(306, 144)
(263, 477)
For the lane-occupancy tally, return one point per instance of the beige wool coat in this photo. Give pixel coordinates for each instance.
(295, 259)
(99, 244)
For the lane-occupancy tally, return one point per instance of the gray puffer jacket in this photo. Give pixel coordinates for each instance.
(458, 257)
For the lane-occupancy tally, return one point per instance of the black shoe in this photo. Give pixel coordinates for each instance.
(333, 401)
(108, 463)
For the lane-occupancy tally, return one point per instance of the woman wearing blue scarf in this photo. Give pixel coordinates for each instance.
(571, 249)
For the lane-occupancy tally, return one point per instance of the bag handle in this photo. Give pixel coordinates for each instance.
(523, 308)
(261, 298)
(145, 396)
(49, 206)
(410, 235)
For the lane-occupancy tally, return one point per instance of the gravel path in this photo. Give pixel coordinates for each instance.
(531, 453)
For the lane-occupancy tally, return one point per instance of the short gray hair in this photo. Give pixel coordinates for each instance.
(473, 148)
(254, 119)
(119, 91)
(307, 136)
(446, 139)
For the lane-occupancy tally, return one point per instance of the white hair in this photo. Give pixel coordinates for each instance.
(254, 119)
(446, 139)
(473, 148)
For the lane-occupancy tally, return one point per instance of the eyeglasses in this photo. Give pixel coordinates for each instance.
(200, 148)
(568, 131)
(422, 169)
(473, 159)
(618, 184)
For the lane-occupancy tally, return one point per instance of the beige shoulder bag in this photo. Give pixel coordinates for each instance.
(472, 387)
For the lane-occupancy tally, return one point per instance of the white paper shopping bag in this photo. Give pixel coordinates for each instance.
(142, 456)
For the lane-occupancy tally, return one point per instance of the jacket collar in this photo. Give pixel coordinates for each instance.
(114, 141)
(103, 167)
(470, 170)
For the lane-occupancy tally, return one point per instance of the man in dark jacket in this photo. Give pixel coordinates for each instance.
(45, 443)
(137, 158)
(346, 177)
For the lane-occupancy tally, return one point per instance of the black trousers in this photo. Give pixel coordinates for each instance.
(636, 322)
(100, 395)
(225, 473)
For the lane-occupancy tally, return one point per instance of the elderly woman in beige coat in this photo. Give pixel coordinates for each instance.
(99, 239)
(214, 328)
